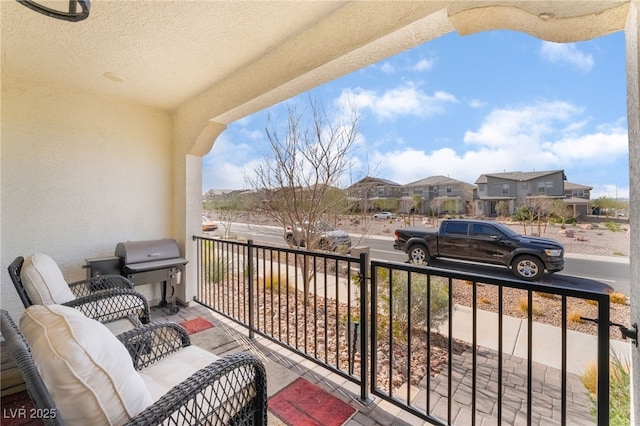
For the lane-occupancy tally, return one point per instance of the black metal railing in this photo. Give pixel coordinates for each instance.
(307, 301)
(455, 362)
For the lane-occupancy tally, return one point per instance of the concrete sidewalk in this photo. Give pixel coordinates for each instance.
(547, 339)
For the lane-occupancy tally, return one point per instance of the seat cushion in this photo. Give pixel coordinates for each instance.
(43, 281)
(168, 372)
(86, 369)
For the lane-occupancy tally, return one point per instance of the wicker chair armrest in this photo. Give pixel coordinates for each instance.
(152, 342)
(229, 391)
(20, 351)
(103, 282)
(113, 304)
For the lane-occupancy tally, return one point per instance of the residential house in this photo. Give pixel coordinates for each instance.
(439, 194)
(578, 198)
(510, 190)
(364, 193)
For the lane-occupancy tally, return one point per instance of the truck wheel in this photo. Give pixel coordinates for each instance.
(418, 254)
(290, 240)
(527, 267)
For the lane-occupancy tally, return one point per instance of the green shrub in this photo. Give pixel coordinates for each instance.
(619, 386)
(216, 269)
(396, 301)
(613, 226)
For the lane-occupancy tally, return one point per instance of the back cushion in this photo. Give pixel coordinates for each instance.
(43, 281)
(86, 369)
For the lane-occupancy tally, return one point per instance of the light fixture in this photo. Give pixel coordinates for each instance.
(546, 16)
(72, 14)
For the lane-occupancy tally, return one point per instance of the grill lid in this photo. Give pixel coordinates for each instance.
(134, 252)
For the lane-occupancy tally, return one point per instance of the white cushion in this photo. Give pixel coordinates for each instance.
(87, 371)
(43, 281)
(163, 375)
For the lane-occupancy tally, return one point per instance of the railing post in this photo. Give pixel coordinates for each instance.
(250, 289)
(364, 321)
(603, 360)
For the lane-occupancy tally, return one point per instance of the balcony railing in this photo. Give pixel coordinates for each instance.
(369, 322)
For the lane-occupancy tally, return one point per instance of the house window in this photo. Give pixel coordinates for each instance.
(435, 188)
(578, 193)
(449, 188)
(524, 185)
(381, 191)
(418, 190)
(505, 188)
(542, 186)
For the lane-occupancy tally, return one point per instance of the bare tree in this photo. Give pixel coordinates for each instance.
(301, 176)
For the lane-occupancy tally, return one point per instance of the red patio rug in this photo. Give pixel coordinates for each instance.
(304, 404)
(196, 325)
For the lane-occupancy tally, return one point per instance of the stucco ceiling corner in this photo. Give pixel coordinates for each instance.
(555, 22)
(206, 138)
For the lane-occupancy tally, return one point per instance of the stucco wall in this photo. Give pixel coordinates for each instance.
(79, 174)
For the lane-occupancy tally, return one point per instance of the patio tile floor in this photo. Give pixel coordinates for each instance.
(284, 367)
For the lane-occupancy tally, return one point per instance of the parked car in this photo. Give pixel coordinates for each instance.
(384, 215)
(325, 236)
(208, 225)
(484, 242)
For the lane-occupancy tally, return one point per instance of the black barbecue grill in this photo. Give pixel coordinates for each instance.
(145, 262)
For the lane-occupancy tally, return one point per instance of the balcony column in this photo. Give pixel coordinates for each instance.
(632, 37)
(188, 202)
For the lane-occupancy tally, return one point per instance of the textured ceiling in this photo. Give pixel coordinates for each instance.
(164, 51)
(167, 53)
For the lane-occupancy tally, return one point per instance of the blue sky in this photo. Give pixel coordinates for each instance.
(464, 106)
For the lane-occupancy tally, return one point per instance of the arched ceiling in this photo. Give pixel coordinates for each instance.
(226, 59)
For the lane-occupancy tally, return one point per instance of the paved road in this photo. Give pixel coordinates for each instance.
(584, 272)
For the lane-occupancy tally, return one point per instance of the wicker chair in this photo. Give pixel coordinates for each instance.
(109, 299)
(226, 391)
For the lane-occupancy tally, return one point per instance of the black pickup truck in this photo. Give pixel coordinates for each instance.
(485, 242)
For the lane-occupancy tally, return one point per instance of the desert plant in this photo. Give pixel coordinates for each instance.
(576, 316)
(276, 283)
(613, 226)
(523, 306)
(619, 385)
(619, 298)
(215, 266)
(394, 291)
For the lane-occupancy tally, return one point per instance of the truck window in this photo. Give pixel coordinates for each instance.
(457, 228)
(482, 230)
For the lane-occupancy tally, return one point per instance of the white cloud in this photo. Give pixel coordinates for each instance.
(399, 101)
(423, 65)
(387, 68)
(534, 137)
(225, 165)
(568, 53)
(476, 103)
(609, 190)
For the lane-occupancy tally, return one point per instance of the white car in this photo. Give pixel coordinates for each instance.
(325, 236)
(384, 215)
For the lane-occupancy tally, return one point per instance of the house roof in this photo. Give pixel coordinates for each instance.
(518, 176)
(571, 186)
(374, 181)
(437, 180)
